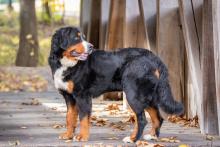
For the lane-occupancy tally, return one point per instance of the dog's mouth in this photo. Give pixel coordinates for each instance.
(83, 56)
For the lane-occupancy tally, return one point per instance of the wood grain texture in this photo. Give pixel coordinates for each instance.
(208, 72)
(216, 28)
(193, 58)
(105, 8)
(169, 45)
(115, 31)
(149, 10)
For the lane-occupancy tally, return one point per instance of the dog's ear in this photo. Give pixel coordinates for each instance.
(63, 43)
(55, 42)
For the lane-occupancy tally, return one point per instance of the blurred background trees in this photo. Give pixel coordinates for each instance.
(33, 24)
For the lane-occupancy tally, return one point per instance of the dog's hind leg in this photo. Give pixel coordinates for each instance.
(140, 118)
(157, 121)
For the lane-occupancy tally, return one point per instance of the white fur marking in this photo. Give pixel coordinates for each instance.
(127, 140)
(58, 76)
(67, 62)
(85, 45)
(149, 137)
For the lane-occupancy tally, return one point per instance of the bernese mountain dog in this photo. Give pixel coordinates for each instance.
(81, 73)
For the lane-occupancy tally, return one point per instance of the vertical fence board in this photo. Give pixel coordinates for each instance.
(115, 31)
(216, 28)
(193, 57)
(105, 7)
(208, 72)
(149, 10)
(169, 44)
(134, 35)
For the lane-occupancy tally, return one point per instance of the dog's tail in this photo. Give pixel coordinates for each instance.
(166, 100)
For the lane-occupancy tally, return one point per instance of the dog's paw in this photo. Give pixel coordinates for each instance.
(149, 137)
(66, 136)
(127, 140)
(80, 138)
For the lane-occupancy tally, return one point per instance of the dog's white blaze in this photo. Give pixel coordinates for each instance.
(85, 45)
(58, 76)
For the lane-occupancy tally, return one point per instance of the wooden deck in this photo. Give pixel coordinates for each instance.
(25, 122)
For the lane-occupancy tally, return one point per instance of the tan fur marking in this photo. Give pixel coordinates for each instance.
(71, 122)
(155, 120)
(135, 131)
(84, 129)
(70, 87)
(78, 48)
(157, 73)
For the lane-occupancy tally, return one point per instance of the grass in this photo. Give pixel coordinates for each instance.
(9, 38)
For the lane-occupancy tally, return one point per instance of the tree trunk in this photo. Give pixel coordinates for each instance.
(28, 44)
(47, 9)
(10, 7)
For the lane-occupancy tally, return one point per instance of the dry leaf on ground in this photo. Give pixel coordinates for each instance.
(112, 107)
(58, 126)
(21, 82)
(14, 143)
(118, 125)
(169, 139)
(144, 143)
(194, 122)
(32, 102)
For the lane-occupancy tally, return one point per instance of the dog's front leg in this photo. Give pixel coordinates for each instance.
(71, 117)
(85, 106)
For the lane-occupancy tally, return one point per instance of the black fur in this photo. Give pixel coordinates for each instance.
(130, 70)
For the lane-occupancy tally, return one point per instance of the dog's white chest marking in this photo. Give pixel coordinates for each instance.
(58, 78)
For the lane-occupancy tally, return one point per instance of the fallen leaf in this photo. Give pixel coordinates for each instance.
(33, 102)
(23, 127)
(209, 137)
(183, 145)
(68, 141)
(14, 143)
(112, 107)
(58, 126)
(169, 139)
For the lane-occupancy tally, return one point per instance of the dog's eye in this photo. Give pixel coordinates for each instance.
(74, 53)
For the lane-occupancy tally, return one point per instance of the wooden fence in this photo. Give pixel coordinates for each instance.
(184, 33)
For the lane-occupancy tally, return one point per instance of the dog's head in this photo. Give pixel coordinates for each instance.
(69, 46)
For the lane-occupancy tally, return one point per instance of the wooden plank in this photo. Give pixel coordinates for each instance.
(135, 32)
(148, 9)
(115, 31)
(208, 72)
(105, 7)
(197, 6)
(169, 44)
(85, 15)
(216, 28)
(193, 58)
(94, 22)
